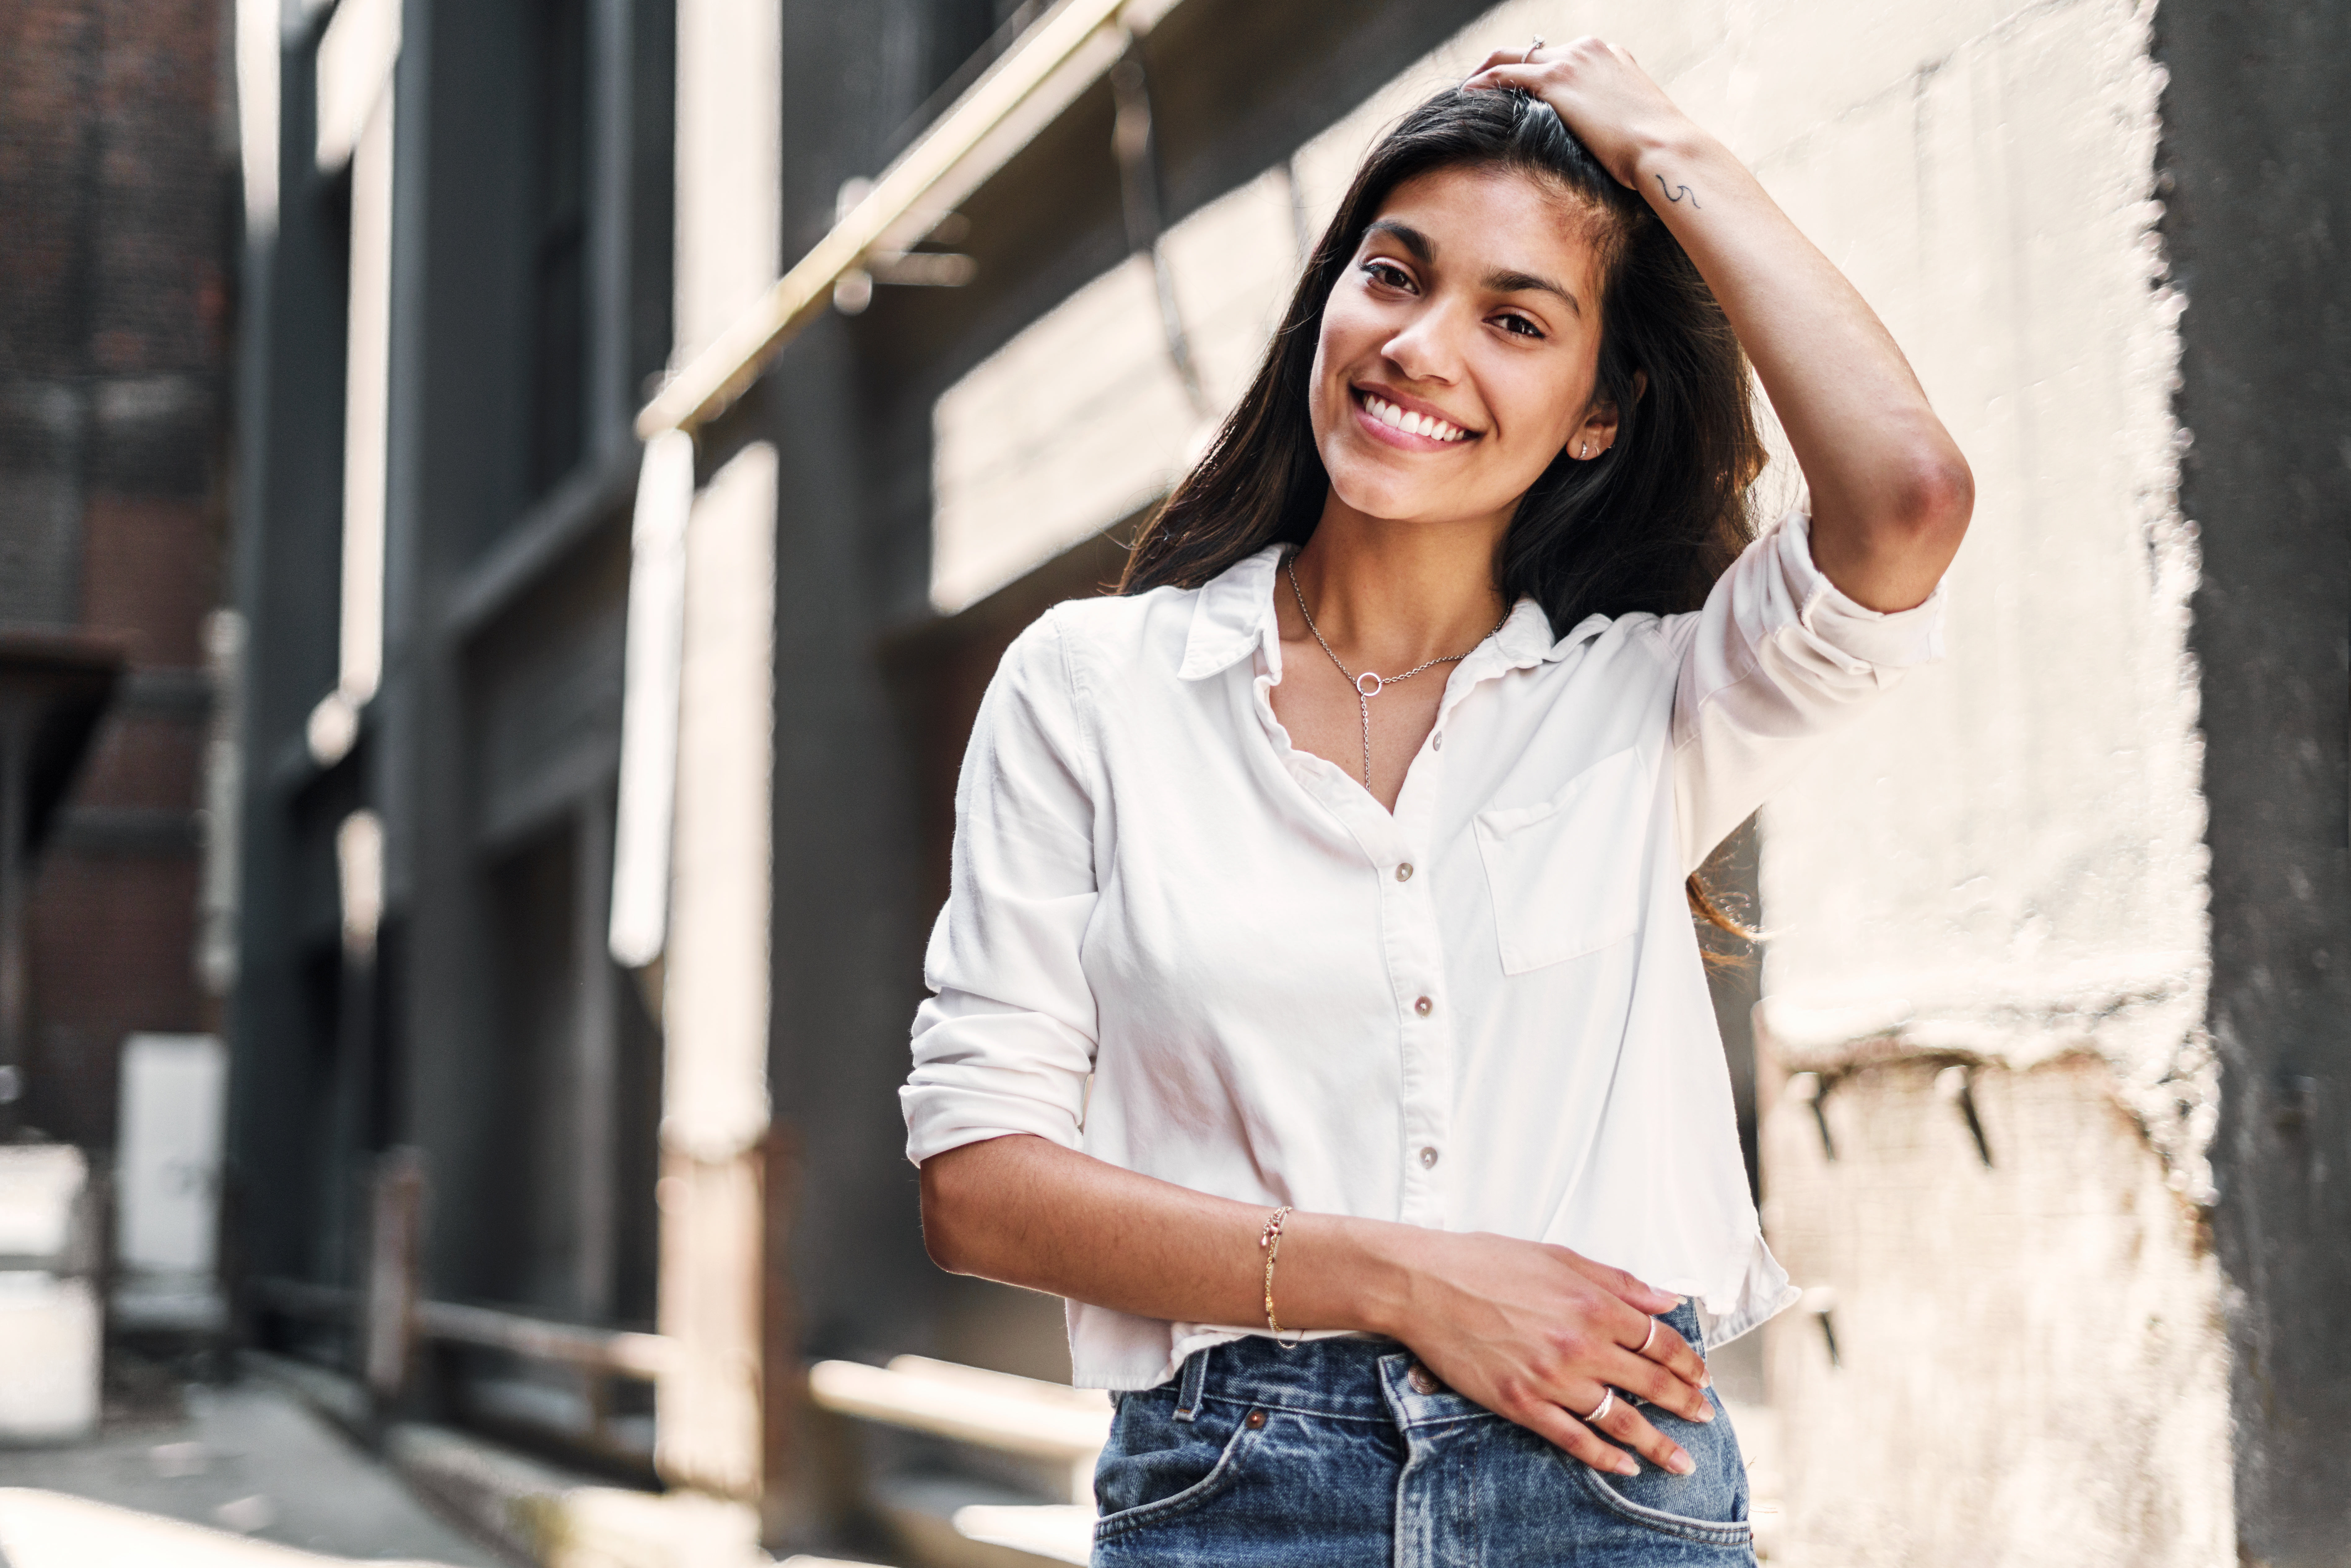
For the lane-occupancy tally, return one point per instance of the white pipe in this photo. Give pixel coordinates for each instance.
(652, 659)
(1068, 48)
(260, 41)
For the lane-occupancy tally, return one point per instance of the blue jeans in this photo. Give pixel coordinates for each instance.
(1346, 1452)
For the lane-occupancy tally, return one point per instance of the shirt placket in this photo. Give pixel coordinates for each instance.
(1413, 943)
(1415, 970)
(1415, 959)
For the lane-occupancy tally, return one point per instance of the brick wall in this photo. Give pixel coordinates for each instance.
(114, 345)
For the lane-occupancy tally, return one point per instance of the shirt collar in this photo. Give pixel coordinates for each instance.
(1234, 614)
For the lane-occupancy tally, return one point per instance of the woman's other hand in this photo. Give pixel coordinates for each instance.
(1533, 1333)
(1601, 94)
(1540, 1334)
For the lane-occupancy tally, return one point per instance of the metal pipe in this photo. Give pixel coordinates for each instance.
(1068, 48)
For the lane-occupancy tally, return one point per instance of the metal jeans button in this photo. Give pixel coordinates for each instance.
(1423, 1381)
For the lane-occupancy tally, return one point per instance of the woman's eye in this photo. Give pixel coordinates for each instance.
(1386, 273)
(1520, 325)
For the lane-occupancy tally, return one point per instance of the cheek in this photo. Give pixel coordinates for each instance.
(1536, 405)
(1339, 344)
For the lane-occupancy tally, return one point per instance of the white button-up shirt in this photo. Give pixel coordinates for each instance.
(1180, 943)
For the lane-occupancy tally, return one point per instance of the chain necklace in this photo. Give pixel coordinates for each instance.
(1367, 685)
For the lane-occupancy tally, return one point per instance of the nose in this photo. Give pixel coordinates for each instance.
(1427, 348)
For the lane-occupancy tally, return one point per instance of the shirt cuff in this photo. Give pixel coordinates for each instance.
(1883, 640)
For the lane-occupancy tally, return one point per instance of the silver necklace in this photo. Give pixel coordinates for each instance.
(1367, 685)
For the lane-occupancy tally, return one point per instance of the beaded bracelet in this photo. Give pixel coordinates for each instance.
(1271, 1244)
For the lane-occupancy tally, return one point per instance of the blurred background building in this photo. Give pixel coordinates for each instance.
(651, 421)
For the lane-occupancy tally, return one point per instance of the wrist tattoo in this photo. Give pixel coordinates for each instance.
(1675, 193)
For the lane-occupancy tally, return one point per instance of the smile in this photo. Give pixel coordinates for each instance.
(1427, 426)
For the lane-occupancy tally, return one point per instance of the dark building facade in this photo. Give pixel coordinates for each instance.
(117, 287)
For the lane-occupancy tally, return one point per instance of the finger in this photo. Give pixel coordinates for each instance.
(1548, 1420)
(1644, 1299)
(1507, 74)
(1670, 1351)
(1501, 57)
(1625, 1425)
(1637, 1375)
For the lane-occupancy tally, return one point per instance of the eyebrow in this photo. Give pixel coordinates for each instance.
(1424, 250)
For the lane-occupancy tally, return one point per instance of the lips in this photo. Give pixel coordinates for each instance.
(1393, 418)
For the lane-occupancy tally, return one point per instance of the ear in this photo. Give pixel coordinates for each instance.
(1597, 432)
(1601, 425)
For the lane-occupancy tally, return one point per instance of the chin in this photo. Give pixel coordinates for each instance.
(1368, 484)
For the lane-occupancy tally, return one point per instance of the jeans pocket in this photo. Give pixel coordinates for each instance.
(1156, 1467)
(1708, 1506)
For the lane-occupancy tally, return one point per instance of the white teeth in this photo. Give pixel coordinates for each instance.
(1427, 424)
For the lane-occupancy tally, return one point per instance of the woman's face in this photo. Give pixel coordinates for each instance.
(1459, 350)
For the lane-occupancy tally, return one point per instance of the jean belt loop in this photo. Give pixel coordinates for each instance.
(1195, 1380)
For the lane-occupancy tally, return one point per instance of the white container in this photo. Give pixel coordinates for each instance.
(168, 1154)
(49, 1337)
(39, 1186)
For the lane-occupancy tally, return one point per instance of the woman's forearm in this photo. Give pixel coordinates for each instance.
(1524, 1328)
(1890, 491)
(1028, 1212)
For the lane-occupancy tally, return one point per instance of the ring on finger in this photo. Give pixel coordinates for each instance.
(1648, 1337)
(1600, 1411)
(1530, 58)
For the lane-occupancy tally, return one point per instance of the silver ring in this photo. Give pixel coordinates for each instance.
(1607, 1402)
(1648, 1337)
(1530, 57)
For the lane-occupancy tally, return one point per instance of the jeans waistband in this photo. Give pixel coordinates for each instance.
(1365, 1379)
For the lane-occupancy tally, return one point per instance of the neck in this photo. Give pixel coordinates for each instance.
(1389, 595)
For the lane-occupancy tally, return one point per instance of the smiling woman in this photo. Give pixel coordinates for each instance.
(1317, 951)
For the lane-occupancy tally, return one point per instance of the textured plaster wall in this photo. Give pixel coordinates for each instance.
(2029, 1365)
(2007, 860)
(2004, 868)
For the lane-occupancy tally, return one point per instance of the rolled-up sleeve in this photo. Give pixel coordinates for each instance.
(1006, 1043)
(1777, 658)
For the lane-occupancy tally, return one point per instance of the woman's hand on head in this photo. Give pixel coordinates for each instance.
(1539, 1334)
(1601, 94)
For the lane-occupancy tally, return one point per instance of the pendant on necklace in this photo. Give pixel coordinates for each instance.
(1368, 685)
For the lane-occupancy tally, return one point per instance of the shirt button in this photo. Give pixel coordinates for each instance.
(1424, 1006)
(1403, 872)
(1437, 741)
(1429, 1157)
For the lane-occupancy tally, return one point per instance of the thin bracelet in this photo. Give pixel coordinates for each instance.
(1271, 1244)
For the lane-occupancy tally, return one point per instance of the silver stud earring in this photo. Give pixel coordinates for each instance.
(1586, 452)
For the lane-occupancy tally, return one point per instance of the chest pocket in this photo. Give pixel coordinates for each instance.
(1565, 873)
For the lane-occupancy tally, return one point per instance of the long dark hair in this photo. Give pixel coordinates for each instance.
(1647, 525)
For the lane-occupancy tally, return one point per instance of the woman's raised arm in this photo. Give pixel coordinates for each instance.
(1890, 492)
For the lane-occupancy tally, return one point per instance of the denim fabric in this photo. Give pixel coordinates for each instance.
(1330, 1454)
